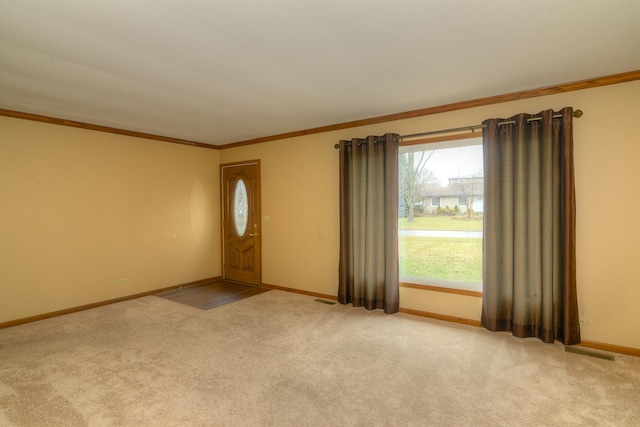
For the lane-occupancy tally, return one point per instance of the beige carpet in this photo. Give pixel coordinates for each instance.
(281, 359)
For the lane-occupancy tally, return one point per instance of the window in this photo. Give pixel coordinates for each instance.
(441, 245)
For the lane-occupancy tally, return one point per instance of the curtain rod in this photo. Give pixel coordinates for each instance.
(576, 114)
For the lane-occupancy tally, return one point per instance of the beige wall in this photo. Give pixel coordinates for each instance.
(300, 197)
(81, 209)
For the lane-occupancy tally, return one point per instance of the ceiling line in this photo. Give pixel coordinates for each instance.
(496, 99)
(513, 96)
(100, 128)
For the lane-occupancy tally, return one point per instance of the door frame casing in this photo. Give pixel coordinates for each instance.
(258, 210)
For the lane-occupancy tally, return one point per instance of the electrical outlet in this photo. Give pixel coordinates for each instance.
(122, 281)
(582, 320)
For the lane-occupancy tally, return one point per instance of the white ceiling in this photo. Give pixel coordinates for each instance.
(223, 71)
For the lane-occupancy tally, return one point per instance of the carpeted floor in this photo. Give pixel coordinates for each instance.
(281, 359)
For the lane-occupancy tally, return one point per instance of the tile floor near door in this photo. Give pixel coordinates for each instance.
(212, 295)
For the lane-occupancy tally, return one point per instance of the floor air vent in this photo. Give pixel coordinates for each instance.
(324, 301)
(587, 352)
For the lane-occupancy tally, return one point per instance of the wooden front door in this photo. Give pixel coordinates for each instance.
(241, 222)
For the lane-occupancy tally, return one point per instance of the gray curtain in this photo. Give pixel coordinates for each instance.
(369, 223)
(529, 267)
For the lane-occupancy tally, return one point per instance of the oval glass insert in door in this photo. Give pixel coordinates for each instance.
(240, 208)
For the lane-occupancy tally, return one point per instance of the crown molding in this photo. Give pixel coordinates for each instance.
(497, 99)
(513, 96)
(99, 128)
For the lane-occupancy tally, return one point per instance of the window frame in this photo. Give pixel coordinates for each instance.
(438, 285)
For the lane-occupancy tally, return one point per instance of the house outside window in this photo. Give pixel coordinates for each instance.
(435, 201)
